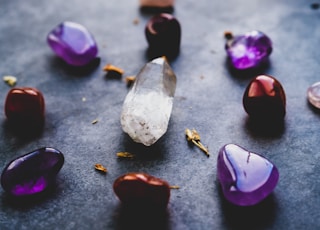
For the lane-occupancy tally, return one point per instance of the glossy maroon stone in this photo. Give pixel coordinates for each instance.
(246, 178)
(264, 99)
(142, 189)
(163, 33)
(25, 106)
(32, 173)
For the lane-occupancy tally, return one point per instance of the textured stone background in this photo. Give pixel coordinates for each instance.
(208, 98)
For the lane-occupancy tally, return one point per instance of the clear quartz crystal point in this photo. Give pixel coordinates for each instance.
(147, 107)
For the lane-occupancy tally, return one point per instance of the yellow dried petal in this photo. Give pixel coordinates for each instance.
(125, 155)
(174, 187)
(95, 121)
(130, 80)
(10, 80)
(189, 135)
(194, 137)
(100, 168)
(113, 68)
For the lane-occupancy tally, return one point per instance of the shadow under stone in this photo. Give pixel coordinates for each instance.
(259, 216)
(265, 127)
(143, 152)
(141, 217)
(247, 73)
(24, 131)
(156, 10)
(79, 71)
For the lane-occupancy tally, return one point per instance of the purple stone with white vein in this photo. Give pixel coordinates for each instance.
(246, 178)
(33, 172)
(73, 43)
(249, 50)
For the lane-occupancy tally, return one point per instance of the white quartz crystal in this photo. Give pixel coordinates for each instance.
(147, 107)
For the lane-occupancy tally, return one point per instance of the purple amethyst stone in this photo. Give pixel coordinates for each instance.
(246, 178)
(249, 50)
(32, 173)
(73, 43)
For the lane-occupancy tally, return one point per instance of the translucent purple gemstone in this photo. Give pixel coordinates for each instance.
(73, 43)
(32, 173)
(246, 178)
(249, 50)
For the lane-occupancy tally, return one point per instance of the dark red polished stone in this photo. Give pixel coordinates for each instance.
(25, 106)
(32, 173)
(264, 99)
(163, 33)
(142, 189)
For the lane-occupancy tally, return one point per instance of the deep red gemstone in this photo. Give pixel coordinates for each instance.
(25, 106)
(163, 33)
(264, 99)
(142, 189)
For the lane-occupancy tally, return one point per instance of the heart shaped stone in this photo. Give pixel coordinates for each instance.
(246, 178)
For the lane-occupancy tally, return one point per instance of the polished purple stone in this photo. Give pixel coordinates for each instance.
(246, 178)
(249, 50)
(32, 173)
(73, 43)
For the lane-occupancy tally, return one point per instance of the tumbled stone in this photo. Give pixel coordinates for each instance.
(246, 178)
(249, 50)
(264, 99)
(163, 33)
(142, 189)
(25, 107)
(73, 43)
(147, 107)
(313, 94)
(32, 173)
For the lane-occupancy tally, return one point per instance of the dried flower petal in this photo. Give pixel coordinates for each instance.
(125, 155)
(130, 80)
(10, 80)
(109, 68)
(194, 137)
(100, 168)
(174, 187)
